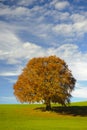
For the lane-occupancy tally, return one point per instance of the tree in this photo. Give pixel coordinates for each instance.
(45, 79)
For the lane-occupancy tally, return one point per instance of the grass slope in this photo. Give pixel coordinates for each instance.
(34, 117)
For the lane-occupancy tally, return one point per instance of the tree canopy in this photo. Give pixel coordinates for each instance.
(45, 79)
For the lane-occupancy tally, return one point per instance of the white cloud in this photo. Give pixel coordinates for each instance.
(32, 20)
(12, 71)
(21, 52)
(13, 51)
(80, 92)
(25, 2)
(29, 20)
(8, 45)
(61, 5)
(79, 69)
(10, 40)
(20, 11)
(15, 12)
(73, 29)
(76, 17)
(65, 51)
(64, 16)
(9, 73)
(80, 27)
(76, 60)
(8, 99)
(63, 29)
(11, 80)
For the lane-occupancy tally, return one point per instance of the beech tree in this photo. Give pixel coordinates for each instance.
(45, 79)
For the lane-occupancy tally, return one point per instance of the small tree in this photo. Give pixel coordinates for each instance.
(45, 79)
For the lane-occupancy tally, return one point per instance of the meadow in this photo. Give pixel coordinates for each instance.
(34, 117)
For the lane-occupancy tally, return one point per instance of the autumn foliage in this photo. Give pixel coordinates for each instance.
(45, 79)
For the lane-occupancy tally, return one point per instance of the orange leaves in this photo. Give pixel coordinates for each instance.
(45, 78)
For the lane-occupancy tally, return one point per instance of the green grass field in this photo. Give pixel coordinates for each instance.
(34, 117)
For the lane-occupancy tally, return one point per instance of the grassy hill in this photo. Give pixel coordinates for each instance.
(34, 117)
(79, 103)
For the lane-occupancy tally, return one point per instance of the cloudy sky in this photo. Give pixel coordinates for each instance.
(32, 28)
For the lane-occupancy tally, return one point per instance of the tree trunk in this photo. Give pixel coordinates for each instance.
(48, 105)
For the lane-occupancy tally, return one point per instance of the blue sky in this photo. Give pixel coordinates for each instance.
(32, 28)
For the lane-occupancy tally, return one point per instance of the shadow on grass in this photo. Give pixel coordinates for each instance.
(70, 110)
